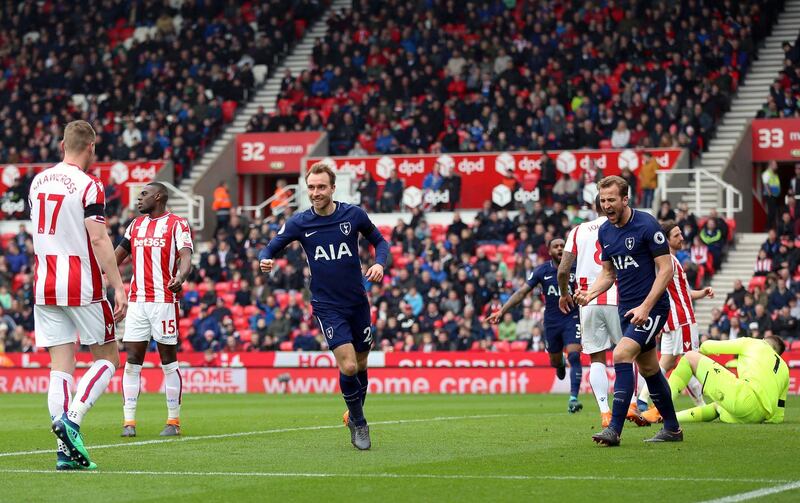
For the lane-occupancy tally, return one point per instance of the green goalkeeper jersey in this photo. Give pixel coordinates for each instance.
(760, 366)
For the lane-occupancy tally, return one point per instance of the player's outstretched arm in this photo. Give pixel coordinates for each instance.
(184, 269)
(701, 294)
(512, 302)
(603, 282)
(565, 302)
(734, 347)
(104, 251)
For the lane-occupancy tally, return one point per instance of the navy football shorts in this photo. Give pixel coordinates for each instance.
(345, 325)
(559, 335)
(644, 335)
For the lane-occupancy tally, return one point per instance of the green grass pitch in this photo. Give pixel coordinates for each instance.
(425, 448)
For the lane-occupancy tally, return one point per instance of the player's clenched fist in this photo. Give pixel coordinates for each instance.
(582, 297)
(266, 265)
(375, 273)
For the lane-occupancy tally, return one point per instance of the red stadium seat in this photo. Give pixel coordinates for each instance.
(282, 298)
(505, 250)
(519, 346)
(489, 250)
(228, 110)
(795, 346)
(398, 346)
(222, 287)
(184, 324)
(250, 310)
(194, 312)
(229, 299)
(476, 346)
(502, 346)
(286, 346)
(281, 262)
(237, 311)
(731, 228)
(760, 281)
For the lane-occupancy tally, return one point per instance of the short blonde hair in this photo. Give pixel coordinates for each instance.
(319, 168)
(78, 135)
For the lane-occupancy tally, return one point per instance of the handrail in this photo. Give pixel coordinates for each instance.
(734, 201)
(259, 208)
(192, 201)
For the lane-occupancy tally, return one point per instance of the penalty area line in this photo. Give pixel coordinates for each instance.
(406, 476)
(758, 493)
(259, 432)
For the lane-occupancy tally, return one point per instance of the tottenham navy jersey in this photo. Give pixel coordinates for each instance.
(632, 249)
(546, 275)
(331, 246)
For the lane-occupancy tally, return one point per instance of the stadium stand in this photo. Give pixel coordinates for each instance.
(785, 91)
(159, 82)
(486, 76)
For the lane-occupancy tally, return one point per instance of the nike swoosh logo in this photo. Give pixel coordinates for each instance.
(606, 246)
(547, 277)
(311, 233)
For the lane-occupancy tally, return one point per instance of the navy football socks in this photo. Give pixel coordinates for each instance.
(351, 392)
(623, 392)
(364, 382)
(575, 373)
(662, 399)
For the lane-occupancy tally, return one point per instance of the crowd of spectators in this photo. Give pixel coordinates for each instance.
(440, 284)
(784, 95)
(445, 76)
(162, 97)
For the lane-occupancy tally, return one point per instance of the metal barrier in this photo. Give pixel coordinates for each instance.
(195, 206)
(258, 209)
(733, 200)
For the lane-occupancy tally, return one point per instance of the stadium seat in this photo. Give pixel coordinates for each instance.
(286, 346)
(229, 299)
(502, 346)
(282, 298)
(489, 250)
(222, 287)
(795, 346)
(760, 281)
(228, 110)
(250, 310)
(505, 249)
(519, 346)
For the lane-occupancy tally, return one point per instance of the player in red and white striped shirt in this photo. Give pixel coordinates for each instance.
(161, 246)
(680, 332)
(71, 248)
(600, 326)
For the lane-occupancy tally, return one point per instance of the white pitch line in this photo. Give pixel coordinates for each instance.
(609, 478)
(260, 432)
(758, 493)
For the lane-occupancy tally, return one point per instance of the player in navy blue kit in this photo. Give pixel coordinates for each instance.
(328, 233)
(561, 330)
(636, 255)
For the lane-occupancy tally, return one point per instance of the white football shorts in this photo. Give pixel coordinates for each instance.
(91, 324)
(677, 342)
(600, 327)
(158, 320)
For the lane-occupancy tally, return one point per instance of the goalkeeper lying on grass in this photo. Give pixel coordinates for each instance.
(757, 395)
